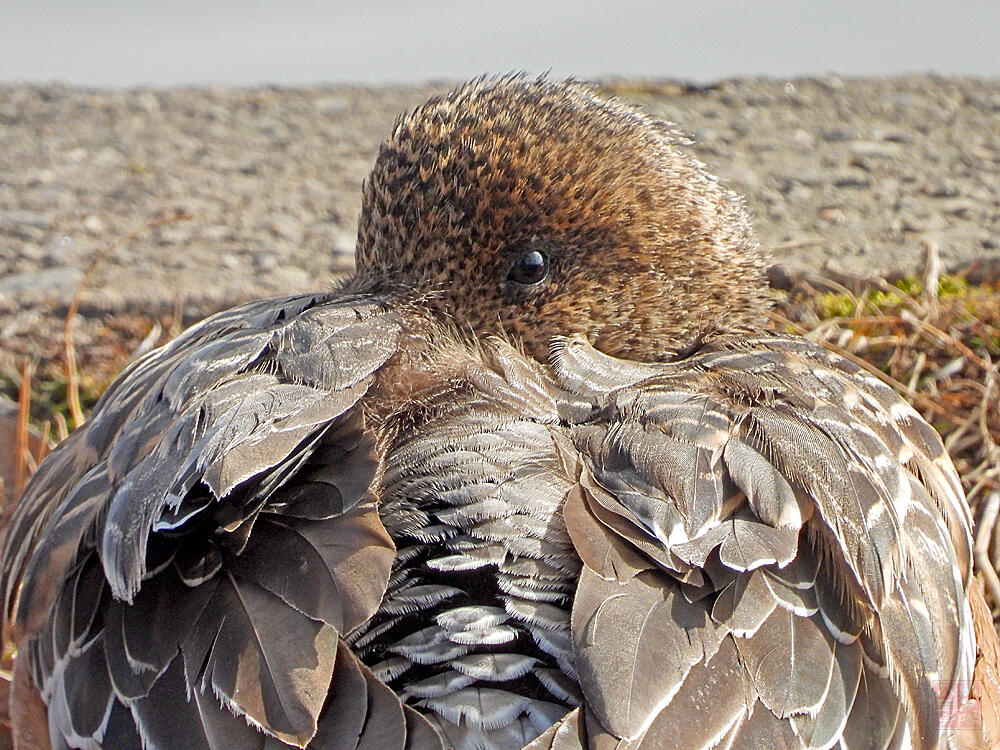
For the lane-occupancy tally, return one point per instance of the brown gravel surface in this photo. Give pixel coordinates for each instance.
(844, 176)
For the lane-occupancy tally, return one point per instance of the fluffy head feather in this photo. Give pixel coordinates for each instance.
(646, 251)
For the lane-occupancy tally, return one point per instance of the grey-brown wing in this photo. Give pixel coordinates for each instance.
(776, 553)
(181, 569)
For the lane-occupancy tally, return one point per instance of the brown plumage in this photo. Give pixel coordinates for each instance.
(368, 518)
(636, 232)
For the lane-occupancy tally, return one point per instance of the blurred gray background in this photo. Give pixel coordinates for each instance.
(113, 43)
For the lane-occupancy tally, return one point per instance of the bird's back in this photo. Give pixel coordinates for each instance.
(758, 541)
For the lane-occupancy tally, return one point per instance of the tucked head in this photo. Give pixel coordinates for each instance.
(539, 209)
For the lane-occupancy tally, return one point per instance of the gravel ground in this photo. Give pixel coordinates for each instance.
(844, 176)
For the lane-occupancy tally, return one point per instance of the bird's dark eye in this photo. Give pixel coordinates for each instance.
(530, 268)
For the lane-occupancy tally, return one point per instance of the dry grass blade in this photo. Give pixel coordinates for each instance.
(932, 267)
(21, 450)
(936, 335)
(45, 444)
(72, 374)
(62, 428)
(986, 523)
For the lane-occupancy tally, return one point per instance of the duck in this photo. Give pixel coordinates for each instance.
(536, 475)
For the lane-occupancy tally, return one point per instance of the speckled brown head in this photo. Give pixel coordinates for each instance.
(537, 208)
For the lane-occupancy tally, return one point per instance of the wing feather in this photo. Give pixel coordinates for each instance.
(638, 645)
(690, 721)
(798, 514)
(823, 729)
(789, 661)
(142, 558)
(775, 549)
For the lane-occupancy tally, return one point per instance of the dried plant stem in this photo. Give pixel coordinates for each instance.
(984, 411)
(72, 374)
(938, 336)
(932, 267)
(984, 535)
(45, 443)
(21, 451)
(62, 429)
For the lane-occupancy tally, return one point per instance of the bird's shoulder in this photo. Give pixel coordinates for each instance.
(764, 521)
(226, 401)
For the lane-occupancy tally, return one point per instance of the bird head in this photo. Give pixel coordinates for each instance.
(533, 209)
